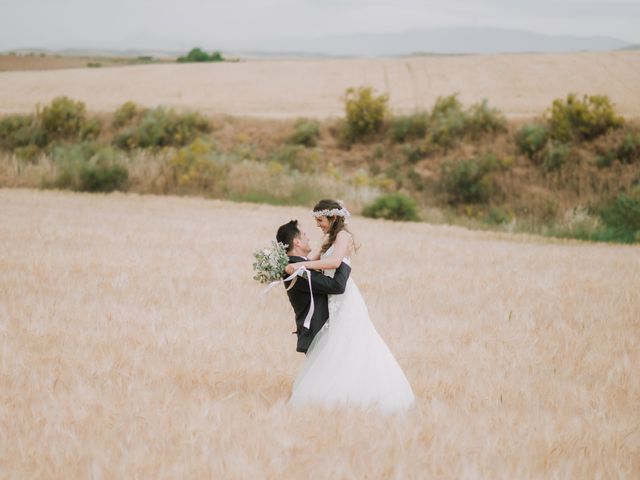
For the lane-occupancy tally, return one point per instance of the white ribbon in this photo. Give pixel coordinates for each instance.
(298, 273)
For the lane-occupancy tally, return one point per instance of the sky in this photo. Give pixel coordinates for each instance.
(238, 24)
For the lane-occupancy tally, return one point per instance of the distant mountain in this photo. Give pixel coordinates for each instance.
(466, 40)
(439, 41)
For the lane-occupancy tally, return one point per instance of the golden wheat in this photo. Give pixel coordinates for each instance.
(134, 344)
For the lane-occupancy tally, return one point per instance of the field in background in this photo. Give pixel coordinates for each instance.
(521, 85)
(133, 343)
(56, 62)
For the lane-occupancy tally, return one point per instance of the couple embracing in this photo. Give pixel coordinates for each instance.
(347, 362)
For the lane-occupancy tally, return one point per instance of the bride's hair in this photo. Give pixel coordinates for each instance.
(336, 222)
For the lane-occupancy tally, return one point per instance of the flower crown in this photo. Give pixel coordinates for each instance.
(334, 212)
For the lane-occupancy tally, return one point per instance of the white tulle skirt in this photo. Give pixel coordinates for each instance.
(348, 363)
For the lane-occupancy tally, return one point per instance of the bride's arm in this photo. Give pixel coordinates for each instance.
(341, 249)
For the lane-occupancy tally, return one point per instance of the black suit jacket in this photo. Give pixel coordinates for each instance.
(300, 299)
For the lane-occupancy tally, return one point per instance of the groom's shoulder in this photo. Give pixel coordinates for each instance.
(294, 259)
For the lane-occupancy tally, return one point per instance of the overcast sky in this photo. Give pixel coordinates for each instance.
(229, 24)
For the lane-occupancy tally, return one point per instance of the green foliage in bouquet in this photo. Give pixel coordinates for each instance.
(270, 263)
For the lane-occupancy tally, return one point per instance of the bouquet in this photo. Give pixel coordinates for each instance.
(270, 262)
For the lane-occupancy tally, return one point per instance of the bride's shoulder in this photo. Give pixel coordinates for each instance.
(344, 234)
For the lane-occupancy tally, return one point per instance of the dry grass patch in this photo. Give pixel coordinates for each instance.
(133, 343)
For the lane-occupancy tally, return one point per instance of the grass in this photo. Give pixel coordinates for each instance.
(135, 344)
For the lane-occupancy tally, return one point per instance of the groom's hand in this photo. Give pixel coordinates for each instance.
(291, 268)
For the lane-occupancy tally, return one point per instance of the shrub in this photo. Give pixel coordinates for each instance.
(89, 167)
(306, 132)
(18, 131)
(469, 180)
(629, 150)
(448, 122)
(395, 206)
(365, 113)
(295, 157)
(446, 106)
(585, 119)
(555, 155)
(63, 118)
(407, 127)
(103, 177)
(482, 120)
(161, 128)
(621, 216)
(198, 55)
(90, 130)
(532, 138)
(125, 114)
(198, 166)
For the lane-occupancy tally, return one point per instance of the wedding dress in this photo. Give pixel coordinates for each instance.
(348, 363)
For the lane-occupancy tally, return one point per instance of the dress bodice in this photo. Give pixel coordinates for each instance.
(328, 253)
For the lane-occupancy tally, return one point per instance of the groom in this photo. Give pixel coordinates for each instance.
(299, 296)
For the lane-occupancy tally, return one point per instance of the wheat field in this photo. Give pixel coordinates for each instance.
(521, 85)
(134, 344)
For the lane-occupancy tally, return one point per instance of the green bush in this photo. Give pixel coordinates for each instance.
(90, 130)
(448, 122)
(482, 120)
(198, 166)
(469, 180)
(295, 157)
(585, 119)
(89, 167)
(63, 118)
(445, 106)
(306, 132)
(621, 217)
(408, 127)
(365, 113)
(532, 138)
(103, 178)
(19, 131)
(198, 55)
(629, 150)
(161, 128)
(555, 155)
(127, 112)
(395, 206)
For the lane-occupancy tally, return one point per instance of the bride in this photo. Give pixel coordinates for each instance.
(347, 362)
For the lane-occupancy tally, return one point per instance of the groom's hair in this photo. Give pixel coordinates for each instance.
(287, 232)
